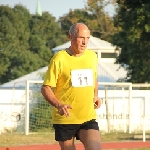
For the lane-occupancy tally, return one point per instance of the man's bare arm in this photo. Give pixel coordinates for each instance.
(97, 101)
(49, 96)
(96, 88)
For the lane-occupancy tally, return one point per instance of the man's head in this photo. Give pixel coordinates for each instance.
(79, 35)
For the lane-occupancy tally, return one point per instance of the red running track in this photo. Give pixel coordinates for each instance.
(79, 146)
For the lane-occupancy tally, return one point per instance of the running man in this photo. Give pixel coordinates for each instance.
(71, 86)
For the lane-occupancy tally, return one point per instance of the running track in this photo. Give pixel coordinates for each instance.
(79, 146)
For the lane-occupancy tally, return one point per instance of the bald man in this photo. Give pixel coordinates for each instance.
(71, 86)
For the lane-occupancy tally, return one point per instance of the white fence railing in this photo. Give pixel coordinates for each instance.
(125, 107)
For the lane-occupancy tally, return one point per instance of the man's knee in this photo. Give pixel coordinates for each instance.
(92, 145)
(67, 145)
(90, 139)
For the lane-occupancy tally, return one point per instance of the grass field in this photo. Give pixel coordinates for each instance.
(48, 138)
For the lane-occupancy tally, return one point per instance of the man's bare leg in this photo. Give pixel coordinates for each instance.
(90, 139)
(67, 145)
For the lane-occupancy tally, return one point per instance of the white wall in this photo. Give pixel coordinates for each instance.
(12, 110)
(12, 107)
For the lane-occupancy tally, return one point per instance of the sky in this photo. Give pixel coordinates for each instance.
(56, 8)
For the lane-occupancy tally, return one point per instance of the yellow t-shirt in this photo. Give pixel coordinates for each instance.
(73, 79)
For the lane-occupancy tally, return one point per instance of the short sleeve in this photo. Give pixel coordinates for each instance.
(51, 77)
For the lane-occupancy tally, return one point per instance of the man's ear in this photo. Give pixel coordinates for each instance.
(70, 37)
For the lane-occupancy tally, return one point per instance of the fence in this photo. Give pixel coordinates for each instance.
(125, 107)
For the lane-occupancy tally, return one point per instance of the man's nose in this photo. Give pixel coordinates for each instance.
(84, 41)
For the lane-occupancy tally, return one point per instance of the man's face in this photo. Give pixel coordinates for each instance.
(79, 41)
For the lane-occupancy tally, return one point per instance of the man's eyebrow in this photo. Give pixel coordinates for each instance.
(84, 37)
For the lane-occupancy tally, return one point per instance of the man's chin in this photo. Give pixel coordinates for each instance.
(82, 50)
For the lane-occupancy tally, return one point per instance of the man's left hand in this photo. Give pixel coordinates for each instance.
(97, 103)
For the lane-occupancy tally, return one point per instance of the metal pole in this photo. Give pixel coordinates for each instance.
(107, 112)
(144, 110)
(27, 109)
(129, 106)
(114, 120)
(124, 111)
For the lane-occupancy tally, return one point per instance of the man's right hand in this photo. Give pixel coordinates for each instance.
(63, 110)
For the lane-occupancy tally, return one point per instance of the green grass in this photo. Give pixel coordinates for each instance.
(21, 139)
(107, 137)
(48, 138)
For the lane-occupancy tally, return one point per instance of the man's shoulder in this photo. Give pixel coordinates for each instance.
(90, 52)
(59, 54)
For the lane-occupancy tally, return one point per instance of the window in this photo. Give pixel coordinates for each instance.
(108, 55)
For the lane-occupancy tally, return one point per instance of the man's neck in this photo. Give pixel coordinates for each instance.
(72, 53)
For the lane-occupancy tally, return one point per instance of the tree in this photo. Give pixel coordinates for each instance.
(7, 40)
(26, 41)
(133, 38)
(103, 26)
(94, 16)
(16, 34)
(74, 16)
(45, 35)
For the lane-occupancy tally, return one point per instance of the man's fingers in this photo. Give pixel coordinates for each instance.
(64, 110)
(69, 107)
(97, 104)
(61, 112)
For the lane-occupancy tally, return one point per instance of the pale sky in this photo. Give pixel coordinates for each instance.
(55, 7)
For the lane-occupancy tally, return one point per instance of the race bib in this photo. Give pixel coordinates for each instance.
(82, 77)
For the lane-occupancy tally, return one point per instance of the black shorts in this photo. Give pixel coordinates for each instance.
(65, 132)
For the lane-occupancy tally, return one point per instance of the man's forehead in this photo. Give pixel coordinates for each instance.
(84, 31)
(82, 27)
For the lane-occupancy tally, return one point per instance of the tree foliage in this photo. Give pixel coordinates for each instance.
(104, 25)
(26, 41)
(133, 20)
(74, 16)
(94, 16)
